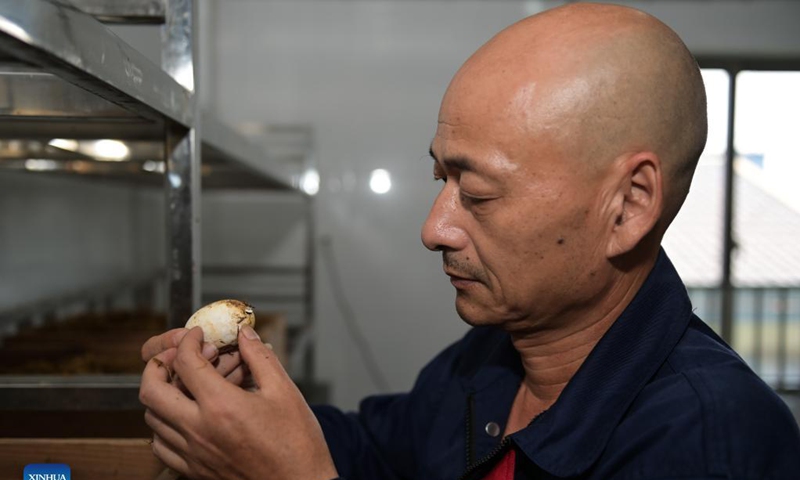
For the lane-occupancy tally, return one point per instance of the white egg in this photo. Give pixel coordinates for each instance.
(221, 322)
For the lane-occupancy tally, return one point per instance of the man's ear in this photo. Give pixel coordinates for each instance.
(637, 202)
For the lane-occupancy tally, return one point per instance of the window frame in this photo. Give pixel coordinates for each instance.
(733, 65)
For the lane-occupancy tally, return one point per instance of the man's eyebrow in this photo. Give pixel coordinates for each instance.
(458, 163)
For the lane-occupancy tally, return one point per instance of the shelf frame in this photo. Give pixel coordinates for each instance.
(66, 38)
(182, 168)
(142, 12)
(81, 50)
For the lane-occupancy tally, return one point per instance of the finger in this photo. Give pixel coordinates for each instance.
(155, 345)
(166, 431)
(158, 394)
(260, 359)
(198, 374)
(167, 454)
(238, 375)
(248, 383)
(228, 363)
(210, 353)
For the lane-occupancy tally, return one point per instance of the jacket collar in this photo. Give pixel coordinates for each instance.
(569, 437)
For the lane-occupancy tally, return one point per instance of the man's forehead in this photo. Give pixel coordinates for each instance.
(485, 162)
(473, 129)
(458, 162)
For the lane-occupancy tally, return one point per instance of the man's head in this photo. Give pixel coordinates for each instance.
(567, 144)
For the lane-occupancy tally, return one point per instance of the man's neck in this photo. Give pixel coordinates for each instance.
(552, 356)
(549, 364)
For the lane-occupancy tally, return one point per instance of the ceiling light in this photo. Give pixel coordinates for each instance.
(40, 165)
(309, 183)
(153, 166)
(380, 181)
(111, 150)
(64, 144)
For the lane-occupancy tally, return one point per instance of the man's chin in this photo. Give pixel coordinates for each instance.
(474, 315)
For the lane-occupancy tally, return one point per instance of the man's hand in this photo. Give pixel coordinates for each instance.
(225, 432)
(229, 365)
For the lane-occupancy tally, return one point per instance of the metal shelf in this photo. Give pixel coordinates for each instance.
(98, 290)
(64, 75)
(93, 393)
(40, 106)
(51, 392)
(81, 50)
(121, 11)
(234, 161)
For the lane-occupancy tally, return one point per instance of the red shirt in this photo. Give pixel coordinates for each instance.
(504, 470)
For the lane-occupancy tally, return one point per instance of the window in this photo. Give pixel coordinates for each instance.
(743, 275)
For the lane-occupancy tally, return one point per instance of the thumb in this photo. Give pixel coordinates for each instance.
(260, 359)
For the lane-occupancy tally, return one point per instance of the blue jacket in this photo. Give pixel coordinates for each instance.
(660, 397)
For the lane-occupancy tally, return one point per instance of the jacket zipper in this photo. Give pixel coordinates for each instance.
(473, 466)
(500, 448)
(471, 469)
(470, 441)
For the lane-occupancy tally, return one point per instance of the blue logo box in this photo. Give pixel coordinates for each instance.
(46, 471)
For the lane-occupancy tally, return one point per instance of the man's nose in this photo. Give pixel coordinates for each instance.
(442, 229)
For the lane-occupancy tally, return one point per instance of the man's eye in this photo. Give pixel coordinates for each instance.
(436, 178)
(473, 200)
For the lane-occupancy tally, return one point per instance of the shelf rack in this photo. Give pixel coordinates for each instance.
(65, 75)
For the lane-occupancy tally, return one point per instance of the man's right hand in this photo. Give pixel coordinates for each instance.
(229, 365)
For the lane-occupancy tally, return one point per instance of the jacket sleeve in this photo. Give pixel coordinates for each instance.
(386, 438)
(359, 451)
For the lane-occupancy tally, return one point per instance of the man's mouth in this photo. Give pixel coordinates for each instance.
(462, 273)
(460, 282)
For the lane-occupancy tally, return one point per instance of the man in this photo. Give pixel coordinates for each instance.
(566, 145)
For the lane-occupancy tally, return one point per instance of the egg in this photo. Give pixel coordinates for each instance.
(221, 322)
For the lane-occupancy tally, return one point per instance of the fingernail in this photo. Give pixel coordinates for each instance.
(250, 333)
(268, 345)
(209, 351)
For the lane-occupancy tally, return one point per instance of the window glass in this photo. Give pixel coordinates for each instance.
(694, 241)
(766, 226)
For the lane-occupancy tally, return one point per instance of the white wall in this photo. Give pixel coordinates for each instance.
(61, 235)
(256, 229)
(369, 77)
(731, 27)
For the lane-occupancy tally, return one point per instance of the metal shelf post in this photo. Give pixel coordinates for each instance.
(182, 172)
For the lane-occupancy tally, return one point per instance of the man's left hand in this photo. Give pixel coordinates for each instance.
(221, 431)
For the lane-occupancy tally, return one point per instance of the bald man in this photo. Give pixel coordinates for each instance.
(565, 147)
